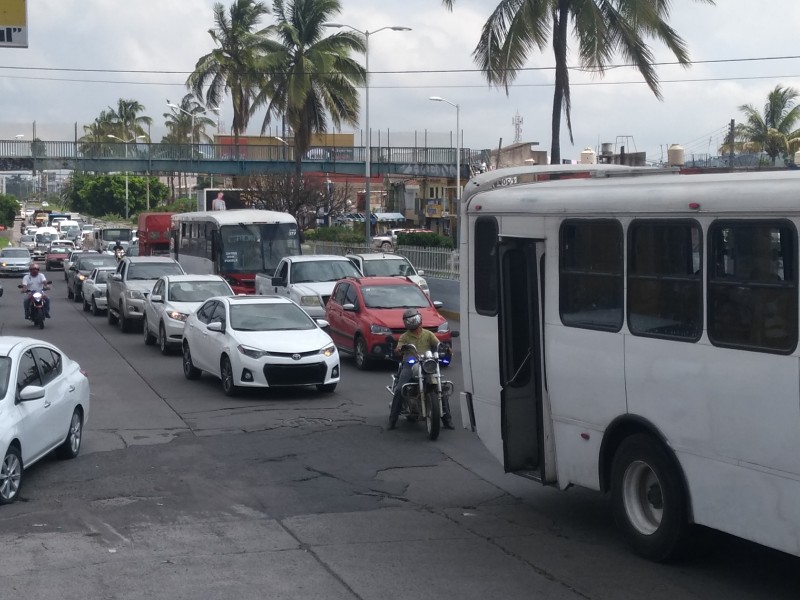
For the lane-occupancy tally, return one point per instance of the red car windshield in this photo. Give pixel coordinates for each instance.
(394, 296)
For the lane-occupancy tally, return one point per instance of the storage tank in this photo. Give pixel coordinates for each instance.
(588, 157)
(675, 155)
(607, 149)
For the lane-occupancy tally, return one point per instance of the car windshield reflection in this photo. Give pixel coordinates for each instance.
(394, 296)
(269, 317)
(197, 291)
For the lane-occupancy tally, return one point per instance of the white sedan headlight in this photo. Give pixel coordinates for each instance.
(135, 295)
(177, 316)
(252, 352)
(328, 350)
(310, 301)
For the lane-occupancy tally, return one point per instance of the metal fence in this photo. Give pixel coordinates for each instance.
(436, 262)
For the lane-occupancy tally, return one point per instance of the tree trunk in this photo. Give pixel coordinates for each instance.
(561, 92)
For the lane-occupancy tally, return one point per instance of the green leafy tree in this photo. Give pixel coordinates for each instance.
(9, 209)
(602, 29)
(230, 67)
(775, 130)
(309, 77)
(98, 195)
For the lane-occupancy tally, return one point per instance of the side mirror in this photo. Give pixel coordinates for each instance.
(438, 304)
(156, 298)
(322, 323)
(349, 307)
(420, 273)
(116, 277)
(278, 282)
(455, 334)
(216, 326)
(31, 392)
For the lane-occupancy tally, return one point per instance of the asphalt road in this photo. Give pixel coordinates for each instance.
(180, 492)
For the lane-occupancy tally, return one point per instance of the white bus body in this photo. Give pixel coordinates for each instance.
(637, 333)
(235, 244)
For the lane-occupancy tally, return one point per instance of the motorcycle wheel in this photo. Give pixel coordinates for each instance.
(433, 415)
(38, 318)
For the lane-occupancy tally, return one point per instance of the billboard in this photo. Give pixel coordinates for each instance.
(219, 199)
(13, 24)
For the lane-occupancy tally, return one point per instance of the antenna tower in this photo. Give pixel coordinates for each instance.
(517, 123)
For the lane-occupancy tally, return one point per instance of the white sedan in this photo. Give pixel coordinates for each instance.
(173, 299)
(44, 405)
(93, 290)
(259, 341)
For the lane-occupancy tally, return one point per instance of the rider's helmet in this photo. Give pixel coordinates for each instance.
(412, 319)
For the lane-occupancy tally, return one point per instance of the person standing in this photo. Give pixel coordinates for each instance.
(219, 202)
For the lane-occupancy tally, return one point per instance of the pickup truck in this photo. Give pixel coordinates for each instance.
(308, 280)
(131, 283)
(387, 241)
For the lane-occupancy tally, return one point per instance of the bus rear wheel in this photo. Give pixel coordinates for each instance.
(648, 498)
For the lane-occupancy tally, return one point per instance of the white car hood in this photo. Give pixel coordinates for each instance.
(13, 260)
(306, 340)
(186, 308)
(144, 285)
(316, 288)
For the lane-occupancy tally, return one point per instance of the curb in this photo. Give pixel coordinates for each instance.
(450, 315)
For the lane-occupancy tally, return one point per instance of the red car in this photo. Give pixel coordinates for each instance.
(363, 311)
(56, 255)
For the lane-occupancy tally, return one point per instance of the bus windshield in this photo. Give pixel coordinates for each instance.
(257, 247)
(113, 235)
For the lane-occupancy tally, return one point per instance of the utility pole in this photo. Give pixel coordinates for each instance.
(730, 143)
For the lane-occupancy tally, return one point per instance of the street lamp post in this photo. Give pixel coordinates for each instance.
(194, 114)
(458, 164)
(367, 162)
(126, 142)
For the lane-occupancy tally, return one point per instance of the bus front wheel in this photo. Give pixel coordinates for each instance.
(648, 498)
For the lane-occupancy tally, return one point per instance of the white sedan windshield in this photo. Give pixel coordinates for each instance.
(269, 317)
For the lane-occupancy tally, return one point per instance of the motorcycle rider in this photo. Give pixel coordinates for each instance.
(118, 250)
(423, 340)
(35, 282)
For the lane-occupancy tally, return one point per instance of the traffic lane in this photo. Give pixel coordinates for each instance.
(124, 408)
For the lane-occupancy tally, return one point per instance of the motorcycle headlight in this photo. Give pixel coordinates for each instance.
(328, 350)
(430, 365)
(443, 328)
(310, 301)
(380, 330)
(135, 295)
(177, 316)
(252, 352)
(81, 277)
(5, 264)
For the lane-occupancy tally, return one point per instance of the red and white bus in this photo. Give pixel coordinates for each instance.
(235, 244)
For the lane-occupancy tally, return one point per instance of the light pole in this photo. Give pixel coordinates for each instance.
(194, 114)
(458, 164)
(367, 164)
(126, 142)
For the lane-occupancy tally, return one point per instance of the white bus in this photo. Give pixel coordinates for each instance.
(639, 335)
(235, 244)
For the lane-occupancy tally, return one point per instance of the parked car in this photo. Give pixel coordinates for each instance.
(57, 253)
(381, 264)
(93, 290)
(259, 341)
(388, 241)
(173, 299)
(82, 267)
(364, 311)
(44, 403)
(131, 283)
(308, 280)
(14, 261)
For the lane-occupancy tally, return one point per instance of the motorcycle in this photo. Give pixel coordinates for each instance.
(36, 307)
(426, 394)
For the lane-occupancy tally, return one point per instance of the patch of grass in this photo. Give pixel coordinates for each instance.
(4, 242)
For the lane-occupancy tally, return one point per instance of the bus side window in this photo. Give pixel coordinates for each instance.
(752, 285)
(486, 266)
(590, 277)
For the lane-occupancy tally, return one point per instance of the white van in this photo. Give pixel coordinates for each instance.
(69, 230)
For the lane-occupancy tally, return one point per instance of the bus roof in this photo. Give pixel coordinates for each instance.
(236, 216)
(600, 190)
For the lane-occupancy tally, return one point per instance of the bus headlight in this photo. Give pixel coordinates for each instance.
(310, 301)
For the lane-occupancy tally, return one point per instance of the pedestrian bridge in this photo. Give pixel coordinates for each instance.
(228, 159)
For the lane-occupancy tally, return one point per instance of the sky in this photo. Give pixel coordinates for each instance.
(79, 51)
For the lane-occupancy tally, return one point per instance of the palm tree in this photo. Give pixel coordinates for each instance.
(308, 76)
(180, 124)
(125, 120)
(603, 28)
(230, 66)
(773, 132)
